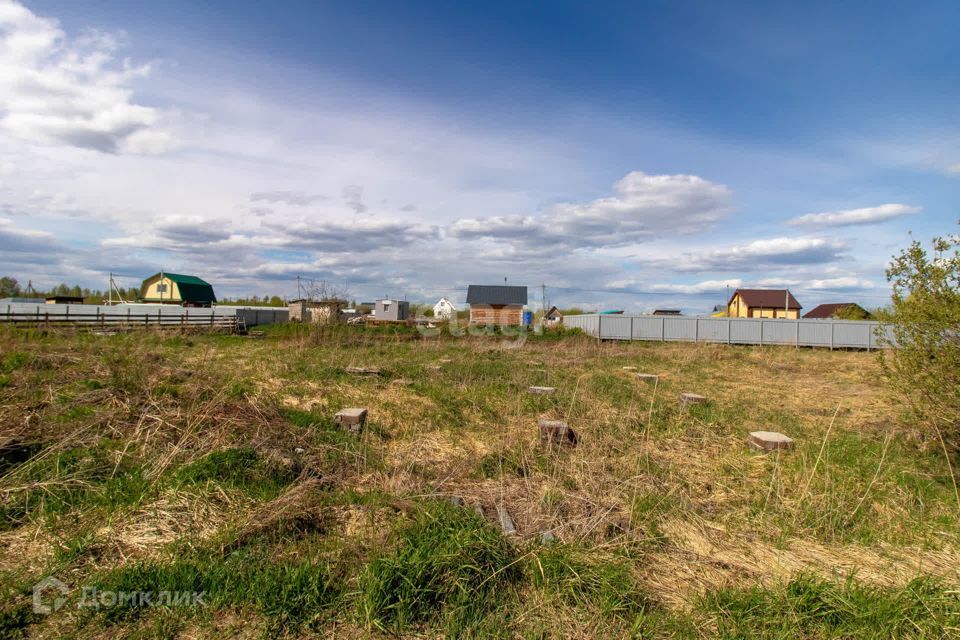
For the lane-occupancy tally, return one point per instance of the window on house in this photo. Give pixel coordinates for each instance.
(161, 288)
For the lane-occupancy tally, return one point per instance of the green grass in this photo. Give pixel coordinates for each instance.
(810, 607)
(448, 564)
(289, 593)
(241, 469)
(580, 578)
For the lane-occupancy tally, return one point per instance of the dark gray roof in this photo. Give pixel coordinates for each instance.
(496, 294)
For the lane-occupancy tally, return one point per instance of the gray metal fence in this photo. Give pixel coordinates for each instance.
(137, 314)
(839, 334)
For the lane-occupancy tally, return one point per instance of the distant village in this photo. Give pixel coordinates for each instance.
(500, 305)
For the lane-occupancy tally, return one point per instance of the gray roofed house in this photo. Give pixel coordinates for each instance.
(496, 304)
(496, 294)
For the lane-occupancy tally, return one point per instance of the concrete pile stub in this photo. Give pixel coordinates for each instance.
(506, 522)
(364, 371)
(351, 419)
(692, 398)
(770, 441)
(648, 377)
(540, 391)
(556, 432)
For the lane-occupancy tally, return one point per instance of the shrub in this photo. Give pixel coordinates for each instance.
(925, 365)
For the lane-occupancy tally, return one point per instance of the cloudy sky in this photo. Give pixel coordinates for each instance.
(628, 155)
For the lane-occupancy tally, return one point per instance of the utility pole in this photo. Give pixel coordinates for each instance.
(298, 288)
(543, 305)
(110, 290)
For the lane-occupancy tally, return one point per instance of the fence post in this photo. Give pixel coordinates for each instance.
(832, 327)
(869, 337)
(761, 332)
(599, 329)
(185, 318)
(728, 331)
(663, 330)
(46, 319)
(631, 328)
(798, 333)
(696, 330)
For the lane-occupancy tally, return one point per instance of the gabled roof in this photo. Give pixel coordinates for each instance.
(554, 311)
(831, 309)
(180, 278)
(192, 288)
(496, 294)
(766, 298)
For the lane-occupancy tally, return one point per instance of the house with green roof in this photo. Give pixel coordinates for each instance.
(176, 288)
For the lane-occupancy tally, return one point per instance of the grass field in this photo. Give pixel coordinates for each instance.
(211, 464)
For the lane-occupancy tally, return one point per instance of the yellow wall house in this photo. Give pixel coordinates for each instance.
(175, 288)
(763, 303)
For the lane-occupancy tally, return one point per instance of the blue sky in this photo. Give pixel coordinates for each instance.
(626, 154)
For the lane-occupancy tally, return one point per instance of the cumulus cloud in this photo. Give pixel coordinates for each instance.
(759, 254)
(643, 207)
(343, 237)
(953, 169)
(296, 198)
(847, 217)
(14, 239)
(72, 91)
(843, 283)
(706, 286)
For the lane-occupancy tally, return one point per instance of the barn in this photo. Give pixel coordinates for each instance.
(176, 288)
(496, 304)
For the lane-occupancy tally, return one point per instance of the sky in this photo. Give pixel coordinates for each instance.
(633, 155)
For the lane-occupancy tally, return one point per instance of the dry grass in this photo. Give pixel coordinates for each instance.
(675, 489)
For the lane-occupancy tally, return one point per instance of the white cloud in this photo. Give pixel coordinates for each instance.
(839, 284)
(953, 169)
(759, 254)
(71, 91)
(644, 207)
(706, 286)
(847, 217)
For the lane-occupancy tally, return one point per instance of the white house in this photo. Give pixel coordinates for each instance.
(444, 310)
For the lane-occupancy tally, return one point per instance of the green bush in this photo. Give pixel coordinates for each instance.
(924, 366)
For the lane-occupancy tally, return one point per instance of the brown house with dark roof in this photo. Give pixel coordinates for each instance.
(763, 303)
(846, 310)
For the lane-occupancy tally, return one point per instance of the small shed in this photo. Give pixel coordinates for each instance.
(444, 309)
(315, 311)
(500, 305)
(176, 288)
(553, 317)
(64, 300)
(391, 310)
